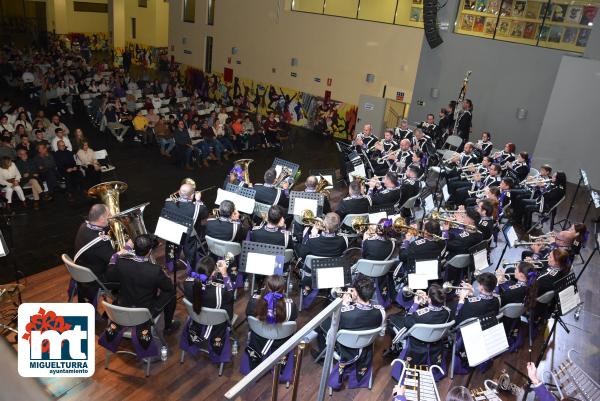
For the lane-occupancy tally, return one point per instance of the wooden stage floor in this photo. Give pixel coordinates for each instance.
(197, 379)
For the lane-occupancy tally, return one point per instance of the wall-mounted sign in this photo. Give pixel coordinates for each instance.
(317, 79)
(369, 106)
(400, 96)
(293, 74)
(420, 103)
(187, 51)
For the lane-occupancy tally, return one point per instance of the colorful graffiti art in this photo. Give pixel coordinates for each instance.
(147, 56)
(95, 41)
(329, 117)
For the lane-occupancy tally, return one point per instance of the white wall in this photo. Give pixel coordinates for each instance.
(326, 47)
(569, 139)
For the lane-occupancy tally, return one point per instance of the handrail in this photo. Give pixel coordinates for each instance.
(333, 310)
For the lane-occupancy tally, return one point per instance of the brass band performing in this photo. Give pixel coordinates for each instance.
(411, 228)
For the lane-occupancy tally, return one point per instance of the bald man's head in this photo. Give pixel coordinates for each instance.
(186, 191)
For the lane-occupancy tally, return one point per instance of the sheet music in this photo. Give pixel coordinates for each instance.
(429, 204)
(374, 218)
(359, 171)
(2, 251)
(481, 260)
(301, 204)
(278, 169)
(260, 263)
(569, 299)
(445, 192)
(428, 268)
(511, 235)
(241, 203)
(330, 277)
(417, 281)
(482, 345)
(169, 230)
(329, 179)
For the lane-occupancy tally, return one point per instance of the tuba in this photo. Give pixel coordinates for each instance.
(132, 221)
(244, 164)
(108, 192)
(322, 185)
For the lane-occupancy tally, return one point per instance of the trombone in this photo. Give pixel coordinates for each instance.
(541, 241)
(435, 215)
(533, 262)
(535, 181)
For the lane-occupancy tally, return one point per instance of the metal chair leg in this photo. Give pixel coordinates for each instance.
(221, 369)
(147, 367)
(182, 356)
(106, 358)
(452, 359)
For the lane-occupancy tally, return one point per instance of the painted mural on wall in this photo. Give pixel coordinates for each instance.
(330, 117)
(95, 41)
(144, 55)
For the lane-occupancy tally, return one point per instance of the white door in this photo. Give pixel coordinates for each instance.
(371, 110)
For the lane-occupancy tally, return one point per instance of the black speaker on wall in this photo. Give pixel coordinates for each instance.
(432, 34)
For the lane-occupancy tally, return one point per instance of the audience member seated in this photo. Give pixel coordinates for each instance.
(10, 179)
(68, 169)
(91, 166)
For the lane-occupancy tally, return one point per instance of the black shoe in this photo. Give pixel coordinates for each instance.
(172, 328)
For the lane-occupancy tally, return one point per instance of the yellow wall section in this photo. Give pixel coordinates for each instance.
(326, 47)
(377, 10)
(62, 18)
(152, 22)
(342, 8)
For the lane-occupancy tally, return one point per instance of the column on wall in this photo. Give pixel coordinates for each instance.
(116, 22)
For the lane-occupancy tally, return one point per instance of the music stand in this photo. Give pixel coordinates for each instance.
(583, 180)
(378, 209)
(483, 339)
(306, 200)
(480, 258)
(242, 198)
(510, 236)
(262, 259)
(327, 173)
(594, 200)
(437, 184)
(277, 162)
(171, 226)
(331, 273)
(561, 309)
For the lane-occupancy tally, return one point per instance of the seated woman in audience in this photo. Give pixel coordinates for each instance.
(90, 165)
(23, 119)
(10, 180)
(164, 137)
(208, 286)
(270, 307)
(78, 140)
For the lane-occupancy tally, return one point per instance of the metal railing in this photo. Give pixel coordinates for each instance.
(299, 340)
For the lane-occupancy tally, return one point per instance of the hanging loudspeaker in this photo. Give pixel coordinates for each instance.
(432, 34)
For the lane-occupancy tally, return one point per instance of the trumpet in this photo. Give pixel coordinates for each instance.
(408, 292)
(338, 292)
(467, 227)
(387, 156)
(399, 226)
(308, 219)
(541, 241)
(470, 166)
(448, 287)
(477, 192)
(472, 176)
(549, 235)
(374, 145)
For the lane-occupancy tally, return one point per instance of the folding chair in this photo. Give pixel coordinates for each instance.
(308, 264)
(374, 269)
(355, 339)
(129, 318)
(461, 261)
(271, 331)
(409, 204)
(428, 333)
(208, 317)
(543, 217)
(221, 248)
(83, 274)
